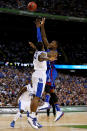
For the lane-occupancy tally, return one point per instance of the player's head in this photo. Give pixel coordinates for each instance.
(28, 81)
(53, 45)
(40, 46)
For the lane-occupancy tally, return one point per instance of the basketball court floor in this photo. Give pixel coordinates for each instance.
(74, 118)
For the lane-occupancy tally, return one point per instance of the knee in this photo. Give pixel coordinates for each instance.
(36, 99)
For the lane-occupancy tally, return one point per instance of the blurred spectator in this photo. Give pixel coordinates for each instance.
(11, 83)
(16, 51)
(59, 7)
(71, 90)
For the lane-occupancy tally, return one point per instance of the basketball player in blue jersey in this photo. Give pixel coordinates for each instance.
(51, 71)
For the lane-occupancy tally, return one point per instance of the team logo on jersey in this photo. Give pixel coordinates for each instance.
(40, 80)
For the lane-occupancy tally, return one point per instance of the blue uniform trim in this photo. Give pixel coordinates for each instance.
(19, 105)
(27, 114)
(57, 107)
(39, 38)
(39, 89)
(51, 75)
(51, 71)
(47, 98)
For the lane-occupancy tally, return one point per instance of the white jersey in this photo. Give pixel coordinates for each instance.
(39, 66)
(29, 89)
(26, 96)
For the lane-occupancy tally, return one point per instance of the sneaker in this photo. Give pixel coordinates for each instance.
(12, 124)
(46, 105)
(39, 125)
(33, 122)
(59, 114)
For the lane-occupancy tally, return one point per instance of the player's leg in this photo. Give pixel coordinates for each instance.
(32, 119)
(59, 113)
(17, 115)
(46, 104)
(53, 106)
(38, 89)
(48, 112)
(28, 113)
(15, 119)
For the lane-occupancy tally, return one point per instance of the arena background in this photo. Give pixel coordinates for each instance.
(17, 28)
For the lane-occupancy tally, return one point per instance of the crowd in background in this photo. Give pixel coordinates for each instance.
(21, 51)
(77, 51)
(16, 51)
(59, 7)
(11, 80)
(71, 90)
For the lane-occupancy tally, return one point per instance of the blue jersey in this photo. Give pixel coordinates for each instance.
(51, 72)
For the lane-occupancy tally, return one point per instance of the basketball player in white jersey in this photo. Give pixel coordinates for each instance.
(24, 99)
(38, 80)
(53, 50)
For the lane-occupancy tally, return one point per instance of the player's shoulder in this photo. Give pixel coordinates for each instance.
(42, 52)
(37, 52)
(29, 85)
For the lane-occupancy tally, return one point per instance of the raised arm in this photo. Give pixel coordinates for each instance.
(46, 57)
(22, 90)
(38, 25)
(39, 38)
(43, 33)
(32, 45)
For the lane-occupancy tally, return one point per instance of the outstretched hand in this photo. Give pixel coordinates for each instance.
(38, 22)
(32, 45)
(43, 21)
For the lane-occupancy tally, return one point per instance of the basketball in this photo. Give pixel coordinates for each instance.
(32, 6)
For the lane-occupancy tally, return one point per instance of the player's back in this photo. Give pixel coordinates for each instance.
(42, 66)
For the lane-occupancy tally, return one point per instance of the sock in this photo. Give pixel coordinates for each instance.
(27, 114)
(33, 114)
(17, 116)
(47, 98)
(57, 107)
